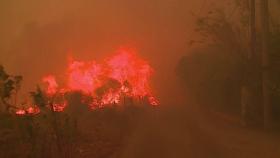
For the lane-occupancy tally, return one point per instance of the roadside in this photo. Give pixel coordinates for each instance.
(240, 141)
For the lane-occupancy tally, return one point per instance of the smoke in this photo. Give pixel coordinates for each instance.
(39, 36)
(146, 132)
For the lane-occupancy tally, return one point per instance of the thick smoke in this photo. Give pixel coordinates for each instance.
(38, 36)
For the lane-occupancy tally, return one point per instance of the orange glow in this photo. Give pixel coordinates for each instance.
(59, 107)
(20, 112)
(132, 72)
(52, 85)
(28, 111)
(83, 76)
(108, 83)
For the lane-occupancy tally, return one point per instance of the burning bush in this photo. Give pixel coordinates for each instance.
(124, 75)
(40, 128)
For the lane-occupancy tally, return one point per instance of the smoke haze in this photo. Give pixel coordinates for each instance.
(39, 36)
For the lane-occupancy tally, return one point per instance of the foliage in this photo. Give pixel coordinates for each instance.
(9, 85)
(216, 28)
(34, 136)
(39, 97)
(215, 70)
(205, 71)
(212, 76)
(46, 134)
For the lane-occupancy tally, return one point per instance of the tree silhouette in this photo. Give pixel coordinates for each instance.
(39, 97)
(9, 85)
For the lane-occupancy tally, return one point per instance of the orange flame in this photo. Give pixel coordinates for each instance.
(52, 85)
(122, 75)
(28, 111)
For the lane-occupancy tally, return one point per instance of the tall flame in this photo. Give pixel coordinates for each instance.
(122, 75)
(52, 85)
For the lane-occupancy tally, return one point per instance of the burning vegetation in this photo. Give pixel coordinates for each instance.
(121, 79)
(50, 122)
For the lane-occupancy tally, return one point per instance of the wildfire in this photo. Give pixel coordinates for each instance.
(124, 75)
(52, 85)
(28, 111)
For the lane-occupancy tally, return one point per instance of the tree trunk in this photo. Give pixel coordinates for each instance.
(252, 54)
(267, 109)
(248, 88)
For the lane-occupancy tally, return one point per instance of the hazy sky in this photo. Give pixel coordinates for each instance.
(37, 36)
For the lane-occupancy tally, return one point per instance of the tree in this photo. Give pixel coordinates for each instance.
(9, 85)
(229, 32)
(265, 64)
(17, 80)
(39, 98)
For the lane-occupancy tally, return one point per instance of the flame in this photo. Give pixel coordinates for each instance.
(20, 112)
(83, 76)
(122, 75)
(28, 111)
(59, 107)
(127, 68)
(52, 85)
